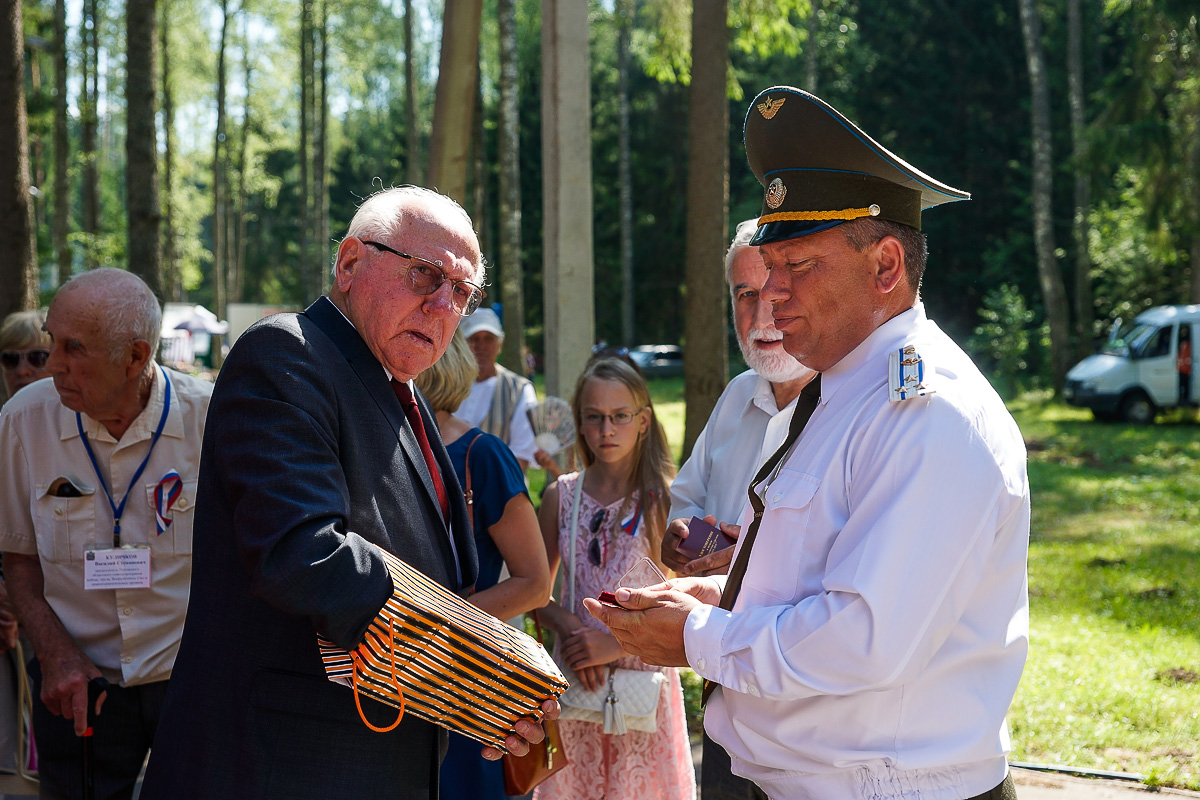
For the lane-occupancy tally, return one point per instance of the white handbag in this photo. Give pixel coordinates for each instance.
(629, 699)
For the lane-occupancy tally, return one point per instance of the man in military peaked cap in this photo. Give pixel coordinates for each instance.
(871, 633)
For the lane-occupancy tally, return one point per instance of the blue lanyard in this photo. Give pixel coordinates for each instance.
(118, 510)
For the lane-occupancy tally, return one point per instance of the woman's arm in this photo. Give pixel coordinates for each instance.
(517, 536)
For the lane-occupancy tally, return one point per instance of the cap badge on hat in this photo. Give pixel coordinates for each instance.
(769, 108)
(776, 191)
(818, 169)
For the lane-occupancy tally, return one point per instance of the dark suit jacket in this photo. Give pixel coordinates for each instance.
(307, 457)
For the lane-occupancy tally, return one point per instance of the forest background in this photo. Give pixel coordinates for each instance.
(1075, 124)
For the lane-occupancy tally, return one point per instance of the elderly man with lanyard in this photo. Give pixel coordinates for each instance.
(96, 526)
(874, 626)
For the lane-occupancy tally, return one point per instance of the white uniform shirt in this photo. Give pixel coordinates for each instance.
(131, 635)
(882, 625)
(742, 432)
(475, 408)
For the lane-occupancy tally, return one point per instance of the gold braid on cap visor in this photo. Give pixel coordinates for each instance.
(818, 216)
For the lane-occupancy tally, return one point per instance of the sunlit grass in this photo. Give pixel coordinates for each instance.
(1113, 679)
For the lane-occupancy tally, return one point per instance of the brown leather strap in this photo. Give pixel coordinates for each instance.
(468, 494)
(805, 406)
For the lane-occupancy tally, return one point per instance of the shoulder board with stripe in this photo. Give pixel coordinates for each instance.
(907, 375)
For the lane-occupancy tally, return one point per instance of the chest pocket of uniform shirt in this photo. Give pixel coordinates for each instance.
(176, 540)
(787, 507)
(66, 525)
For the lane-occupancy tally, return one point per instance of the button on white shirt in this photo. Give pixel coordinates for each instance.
(742, 432)
(882, 625)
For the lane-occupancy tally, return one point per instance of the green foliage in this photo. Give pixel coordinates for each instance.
(1001, 341)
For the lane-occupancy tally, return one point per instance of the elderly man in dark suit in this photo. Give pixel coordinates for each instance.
(317, 456)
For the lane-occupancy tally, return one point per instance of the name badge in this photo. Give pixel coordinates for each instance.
(125, 567)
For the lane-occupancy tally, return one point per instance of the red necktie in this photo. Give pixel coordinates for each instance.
(405, 395)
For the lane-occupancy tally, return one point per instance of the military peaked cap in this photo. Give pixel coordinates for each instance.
(819, 170)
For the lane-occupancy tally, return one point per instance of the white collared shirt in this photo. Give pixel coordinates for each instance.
(474, 409)
(131, 635)
(882, 625)
(742, 432)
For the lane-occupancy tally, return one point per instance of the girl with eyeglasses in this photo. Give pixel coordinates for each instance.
(24, 350)
(623, 503)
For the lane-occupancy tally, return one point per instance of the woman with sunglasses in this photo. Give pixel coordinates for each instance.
(24, 350)
(623, 497)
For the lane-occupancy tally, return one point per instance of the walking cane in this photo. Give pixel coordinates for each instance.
(95, 687)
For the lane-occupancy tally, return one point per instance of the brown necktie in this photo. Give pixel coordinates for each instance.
(409, 403)
(805, 406)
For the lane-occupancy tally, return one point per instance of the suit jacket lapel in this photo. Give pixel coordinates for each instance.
(339, 330)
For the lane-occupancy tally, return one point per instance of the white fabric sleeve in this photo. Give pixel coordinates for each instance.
(520, 431)
(926, 501)
(689, 490)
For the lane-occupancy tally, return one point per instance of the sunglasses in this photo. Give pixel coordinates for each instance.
(595, 556)
(11, 359)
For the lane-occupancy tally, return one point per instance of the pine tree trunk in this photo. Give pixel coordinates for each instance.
(62, 146)
(18, 268)
(811, 62)
(706, 360)
(305, 156)
(220, 213)
(171, 274)
(321, 157)
(141, 146)
(624, 10)
(1085, 312)
(453, 107)
(479, 189)
(237, 260)
(88, 121)
(512, 293)
(1049, 274)
(412, 145)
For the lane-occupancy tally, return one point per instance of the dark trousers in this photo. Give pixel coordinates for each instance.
(123, 732)
(1005, 791)
(717, 781)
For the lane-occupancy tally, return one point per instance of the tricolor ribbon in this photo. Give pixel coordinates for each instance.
(165, 494)
(629, 525)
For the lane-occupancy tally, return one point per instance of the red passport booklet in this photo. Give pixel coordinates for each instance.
(703, 539)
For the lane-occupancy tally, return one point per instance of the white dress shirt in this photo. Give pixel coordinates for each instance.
(882, 625)
(742, 432)
(131, 635)
(520, 432)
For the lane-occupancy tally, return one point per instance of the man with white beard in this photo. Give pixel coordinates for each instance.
(749, 422)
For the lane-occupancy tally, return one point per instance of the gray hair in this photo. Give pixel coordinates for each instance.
(131, 310)
(862, 233)
(380, 214)
(741, 238)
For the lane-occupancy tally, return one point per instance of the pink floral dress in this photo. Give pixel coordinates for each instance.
(634, 765)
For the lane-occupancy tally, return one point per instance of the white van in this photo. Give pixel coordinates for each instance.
(1136, 373)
